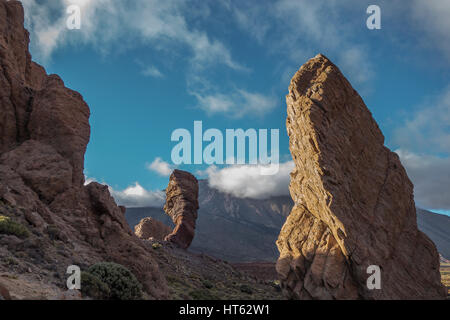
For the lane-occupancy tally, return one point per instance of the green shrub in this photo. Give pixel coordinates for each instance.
(246, 289)
(202, 294)
(8, 226)
(10, 261)
(121, 282)
(207, 284)
(157, 245)
(93, 287)
(54, 233)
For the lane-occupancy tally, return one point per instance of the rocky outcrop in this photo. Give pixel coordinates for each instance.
(151, 228)
(44, 131)
(182, 205)
(354, 203)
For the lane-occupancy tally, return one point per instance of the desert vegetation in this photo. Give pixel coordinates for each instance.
(445, 275)
(110, 281)
(10, 227)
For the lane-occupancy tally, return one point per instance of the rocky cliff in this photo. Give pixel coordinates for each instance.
(354, 203)
(44, 131)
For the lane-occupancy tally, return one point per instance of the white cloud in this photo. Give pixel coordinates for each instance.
(431, 178)
(161, 167)
(236, 104)
(111, 24)
(88, 180)
(137, 196)
(134, 196)
(428, 129)
(433, 16)
(299, 29)
(355, 62)
(246, 181)
(152, 71)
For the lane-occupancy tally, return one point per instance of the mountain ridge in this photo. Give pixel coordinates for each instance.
(222, 216)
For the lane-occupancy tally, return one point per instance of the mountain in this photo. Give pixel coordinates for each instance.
(230, 228)
(437, 227)
(245, 230)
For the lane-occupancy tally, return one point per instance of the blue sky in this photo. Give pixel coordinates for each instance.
(149, 67)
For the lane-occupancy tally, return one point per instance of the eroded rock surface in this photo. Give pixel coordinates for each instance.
(44, 131)
(182, 205)
(354, 204)
(151, 228)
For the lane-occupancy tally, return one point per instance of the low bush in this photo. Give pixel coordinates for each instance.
(93, 287)
(246, 289)
(10, 227)
(157, 246)
(207, 284)
(122, 283)
(202, 294)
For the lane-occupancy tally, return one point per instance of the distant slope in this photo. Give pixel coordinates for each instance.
(245, 230)
(230, 228)
(437, 227)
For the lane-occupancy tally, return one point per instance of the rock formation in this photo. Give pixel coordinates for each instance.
(354, 203)
(151, 228)
(182, 205)
(44, 131)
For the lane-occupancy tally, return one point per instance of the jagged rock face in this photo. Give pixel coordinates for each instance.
(354, 203)
(151, 228)
(44, 131)
(182, 205)
(36, 106)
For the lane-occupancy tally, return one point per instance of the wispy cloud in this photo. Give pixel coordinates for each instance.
(152, 71)
(161, 167)
(110, 24)
(246, 181)
(427, 129)
(431, 178)
(236, 104)
(137, 196)
(433, 17)
(134, 196)
(299, 29)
